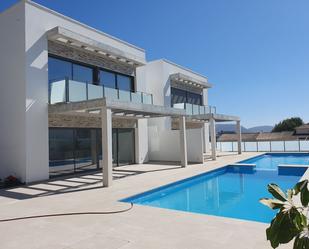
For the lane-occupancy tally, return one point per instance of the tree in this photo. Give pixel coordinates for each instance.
(288, 124)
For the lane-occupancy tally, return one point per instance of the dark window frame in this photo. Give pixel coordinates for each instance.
(185, 95)
(95, 70)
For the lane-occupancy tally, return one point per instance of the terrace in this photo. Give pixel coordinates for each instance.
(132, 229)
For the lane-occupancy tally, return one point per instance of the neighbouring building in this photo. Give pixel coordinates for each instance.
(302, 132)
(75, 99)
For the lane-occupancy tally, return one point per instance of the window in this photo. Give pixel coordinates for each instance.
(178, 96)
(194, 98)
(124, 83)
(58, 69)
(182, 96)
(82, 73)
(107, 79)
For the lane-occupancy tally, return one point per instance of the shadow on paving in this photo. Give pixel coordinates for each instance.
(80, 182)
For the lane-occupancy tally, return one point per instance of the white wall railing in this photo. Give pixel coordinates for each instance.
(266, 146)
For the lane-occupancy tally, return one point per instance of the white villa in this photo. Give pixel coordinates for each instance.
(74, 99)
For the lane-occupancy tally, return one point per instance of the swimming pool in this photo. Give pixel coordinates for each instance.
(272, 160)
(231, 191)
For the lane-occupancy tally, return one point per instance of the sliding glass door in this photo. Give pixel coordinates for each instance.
(73, 150)
(123, 147)
(126, 146)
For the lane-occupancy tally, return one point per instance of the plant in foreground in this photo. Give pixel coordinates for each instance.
(11, 181)
(291, 221)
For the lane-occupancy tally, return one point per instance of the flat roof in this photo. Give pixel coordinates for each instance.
(73, 39)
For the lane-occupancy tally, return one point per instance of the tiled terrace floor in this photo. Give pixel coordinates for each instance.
(141, 227)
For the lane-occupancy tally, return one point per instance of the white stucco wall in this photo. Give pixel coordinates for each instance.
(12, 93)
(164, 145)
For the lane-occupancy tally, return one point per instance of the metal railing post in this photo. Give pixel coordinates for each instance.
(87, 97)
(152, 99)
(67, 94)
(284, 145)
(142, 97)
(49, 91)
(270, 146)
(298, 145)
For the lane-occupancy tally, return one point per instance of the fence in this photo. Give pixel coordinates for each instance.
(265, 146)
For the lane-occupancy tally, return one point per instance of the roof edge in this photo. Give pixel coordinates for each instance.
(81, 24)
(183, 67)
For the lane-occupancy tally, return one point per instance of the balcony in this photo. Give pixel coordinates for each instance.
(196, 109)
(73, 91)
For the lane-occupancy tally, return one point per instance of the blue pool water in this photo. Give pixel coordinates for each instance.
(232, 191)
(272, 160)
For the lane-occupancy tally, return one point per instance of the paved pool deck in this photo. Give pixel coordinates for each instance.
(141, 227)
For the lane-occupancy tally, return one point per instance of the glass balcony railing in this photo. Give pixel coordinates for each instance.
(195, 109)
(74, 91)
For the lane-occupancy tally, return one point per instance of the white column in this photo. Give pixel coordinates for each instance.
(183, 141)
(238, 131)
(94, 153)
(106, 115)
(205, 137)
(213, 138)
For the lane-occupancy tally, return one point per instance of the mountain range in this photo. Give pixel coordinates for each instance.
(231, 128)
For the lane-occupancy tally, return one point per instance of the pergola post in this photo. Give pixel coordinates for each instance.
(213, 137)
(205, 137)
(183, 141)
(106, 119)
(94, 154)
(238, 132)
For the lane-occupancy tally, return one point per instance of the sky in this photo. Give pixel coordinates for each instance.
(254, 52)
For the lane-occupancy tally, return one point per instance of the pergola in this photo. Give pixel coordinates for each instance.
(212, 118)
(107, 109)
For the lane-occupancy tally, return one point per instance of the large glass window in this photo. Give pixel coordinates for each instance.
(61, 151)
(107, 79)
(178, 96)
(74, 150)
(182, 96)
(124, 82)
(82, 73)
(125, 146)
(58, 69)
(194, 98)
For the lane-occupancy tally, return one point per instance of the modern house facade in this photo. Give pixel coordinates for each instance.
(74, 99)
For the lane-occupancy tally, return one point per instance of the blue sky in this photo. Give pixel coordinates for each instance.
(255, 52)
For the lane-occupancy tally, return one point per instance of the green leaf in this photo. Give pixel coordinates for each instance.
(300, 222)
(299, 186)
(276, 192)
(282, 228)
(272, 203)
(301, 241)
(304, 195)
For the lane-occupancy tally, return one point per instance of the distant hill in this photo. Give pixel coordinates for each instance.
(263, 128)
(224, 128)
(230, 128)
